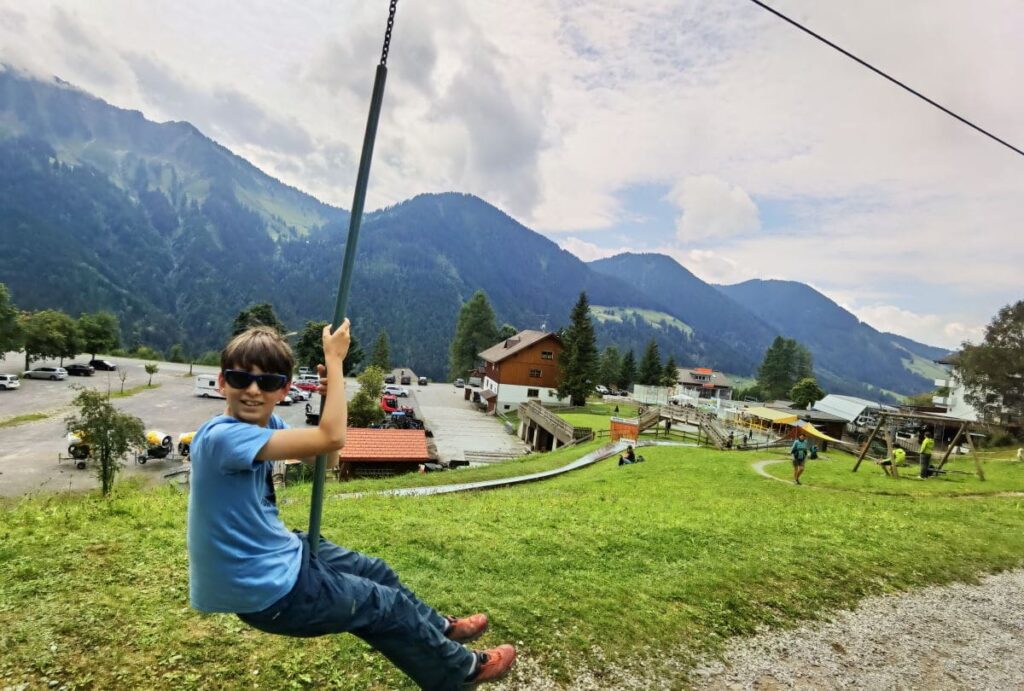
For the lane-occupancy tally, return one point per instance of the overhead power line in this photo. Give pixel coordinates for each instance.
(897, 82)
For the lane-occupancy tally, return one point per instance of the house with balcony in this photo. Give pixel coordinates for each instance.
(953, 403)
(703, 382)
(520, 369)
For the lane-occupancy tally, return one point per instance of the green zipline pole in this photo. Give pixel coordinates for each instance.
(346, 277)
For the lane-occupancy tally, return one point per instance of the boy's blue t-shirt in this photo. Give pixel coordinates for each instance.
(241, 556)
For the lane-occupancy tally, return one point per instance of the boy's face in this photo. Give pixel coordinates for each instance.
(251, 404)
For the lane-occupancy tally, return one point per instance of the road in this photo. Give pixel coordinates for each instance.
(29, 451)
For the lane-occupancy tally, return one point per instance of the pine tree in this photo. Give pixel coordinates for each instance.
(381, 357)
(611, 367)
(475, 332)
(785, 363)
(627, 375)
(261, 314)
(651, 370)
(11, 336)
(578, 362)
(671, 376)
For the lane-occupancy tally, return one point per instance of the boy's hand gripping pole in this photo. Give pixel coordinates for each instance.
(355, 221)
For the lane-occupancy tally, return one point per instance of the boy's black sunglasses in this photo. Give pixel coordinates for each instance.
(240, 379)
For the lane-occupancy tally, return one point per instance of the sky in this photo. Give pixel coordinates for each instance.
(712, 132)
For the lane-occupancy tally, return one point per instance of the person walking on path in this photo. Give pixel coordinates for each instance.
(926, 454)
(243, 560)
(799, 453)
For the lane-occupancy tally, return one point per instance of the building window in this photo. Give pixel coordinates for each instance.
(547, 355)
(507, 407)
(535, 374)
(533, 393)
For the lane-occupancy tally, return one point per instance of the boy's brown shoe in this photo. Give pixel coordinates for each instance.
(492, 664)
(466, 629)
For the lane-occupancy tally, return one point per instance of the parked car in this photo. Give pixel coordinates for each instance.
(53, 373)
(9, 381)
(389, 379)
(423, 381)
(405, 381)
(287, 400)
(393, 390)
(298, 394)
(104, 365)
(459, 383)
(305, 370)
(601, 389)
(307, 382)
(77, 369)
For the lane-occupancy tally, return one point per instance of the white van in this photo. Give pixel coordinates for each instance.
(206, 386)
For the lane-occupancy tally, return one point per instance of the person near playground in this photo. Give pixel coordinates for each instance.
(629, 458)
(926, 454)
(243, 560)
(799, 453)
(897, 459)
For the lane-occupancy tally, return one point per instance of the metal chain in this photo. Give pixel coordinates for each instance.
(387, 33)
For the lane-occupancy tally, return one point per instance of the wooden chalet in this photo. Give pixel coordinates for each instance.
(520, 369)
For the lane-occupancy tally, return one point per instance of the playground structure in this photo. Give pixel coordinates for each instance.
(891, 423)
(545, 431)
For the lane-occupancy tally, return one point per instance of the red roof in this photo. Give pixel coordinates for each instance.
(363, 444)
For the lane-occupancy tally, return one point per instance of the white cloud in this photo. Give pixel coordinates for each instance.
(932, 329)
(588, 251)
(711, 208)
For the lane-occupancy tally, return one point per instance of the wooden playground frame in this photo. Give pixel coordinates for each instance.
(894, 418)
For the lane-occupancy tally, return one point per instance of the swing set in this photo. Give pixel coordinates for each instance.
(889, 422)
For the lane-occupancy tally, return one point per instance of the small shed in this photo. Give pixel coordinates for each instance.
(382, 452)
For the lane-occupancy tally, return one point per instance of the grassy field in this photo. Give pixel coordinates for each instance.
(665, 558)
(596, 414)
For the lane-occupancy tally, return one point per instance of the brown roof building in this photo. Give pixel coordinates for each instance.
(703, 382)
(522, 368)
(382, 452)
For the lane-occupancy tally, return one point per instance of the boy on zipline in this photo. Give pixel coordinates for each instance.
(243, 560)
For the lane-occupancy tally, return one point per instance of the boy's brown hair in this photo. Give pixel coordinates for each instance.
(259, 346)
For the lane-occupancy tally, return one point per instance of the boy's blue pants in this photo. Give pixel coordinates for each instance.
(345, 591)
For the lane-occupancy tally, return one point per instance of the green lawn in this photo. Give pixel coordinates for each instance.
(665, 558)
(596, 414)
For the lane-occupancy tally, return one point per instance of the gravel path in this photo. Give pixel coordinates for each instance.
(951, 637)
(945, 637)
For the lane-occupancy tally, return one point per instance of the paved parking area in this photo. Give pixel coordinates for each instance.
(459, 427)
(28, 452)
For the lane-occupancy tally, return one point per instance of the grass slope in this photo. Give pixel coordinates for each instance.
(652, 317)
(669, 557)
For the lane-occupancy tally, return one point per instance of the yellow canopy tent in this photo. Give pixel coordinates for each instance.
(815, 432)
(777, 417)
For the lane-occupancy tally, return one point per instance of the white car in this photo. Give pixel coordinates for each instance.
(9, 381)
(395, 390)
(298, 394)
(287, 400)
(601, 389)
(53, 373)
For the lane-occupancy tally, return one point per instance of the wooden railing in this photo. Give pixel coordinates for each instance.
(559, 428)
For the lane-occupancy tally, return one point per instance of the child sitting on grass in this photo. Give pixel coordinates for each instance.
(243, 560)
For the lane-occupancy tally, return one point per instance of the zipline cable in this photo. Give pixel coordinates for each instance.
(874, 69)
(355, 220)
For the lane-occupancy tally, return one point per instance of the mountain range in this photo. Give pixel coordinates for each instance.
(101, 208)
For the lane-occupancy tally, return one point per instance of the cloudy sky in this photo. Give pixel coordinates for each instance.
(710, 131)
